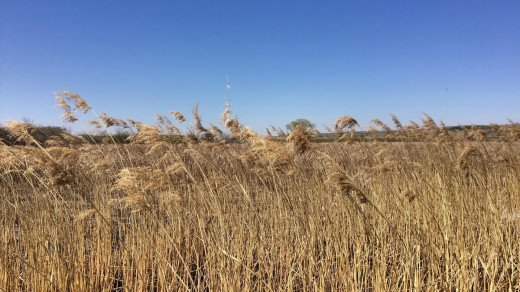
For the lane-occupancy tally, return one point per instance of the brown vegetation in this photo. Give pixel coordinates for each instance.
(200, 213)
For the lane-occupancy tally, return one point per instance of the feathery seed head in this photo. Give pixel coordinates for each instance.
(178, 116)
(343, 123)
(299, 139)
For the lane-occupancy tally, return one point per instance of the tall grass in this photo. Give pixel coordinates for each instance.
(206, 211)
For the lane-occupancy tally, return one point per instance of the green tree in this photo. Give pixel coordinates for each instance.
(303, 122)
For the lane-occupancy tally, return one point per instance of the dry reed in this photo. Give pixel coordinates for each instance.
(436, 212)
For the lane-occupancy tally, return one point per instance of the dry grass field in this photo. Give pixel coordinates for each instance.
(170, 211)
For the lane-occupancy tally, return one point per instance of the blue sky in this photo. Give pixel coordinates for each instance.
(458, 61)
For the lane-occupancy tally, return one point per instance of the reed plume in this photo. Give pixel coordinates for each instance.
(299, 139)
(343, 123)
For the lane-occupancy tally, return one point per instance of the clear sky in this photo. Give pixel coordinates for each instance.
(458, 61)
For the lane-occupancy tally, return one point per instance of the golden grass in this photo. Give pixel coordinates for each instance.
(260, 214)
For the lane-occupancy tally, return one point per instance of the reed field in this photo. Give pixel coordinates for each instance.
(223, 208)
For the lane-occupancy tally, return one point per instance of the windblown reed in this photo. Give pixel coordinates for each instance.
(234, 210)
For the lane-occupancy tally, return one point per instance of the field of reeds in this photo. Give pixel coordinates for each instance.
(222, 208)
